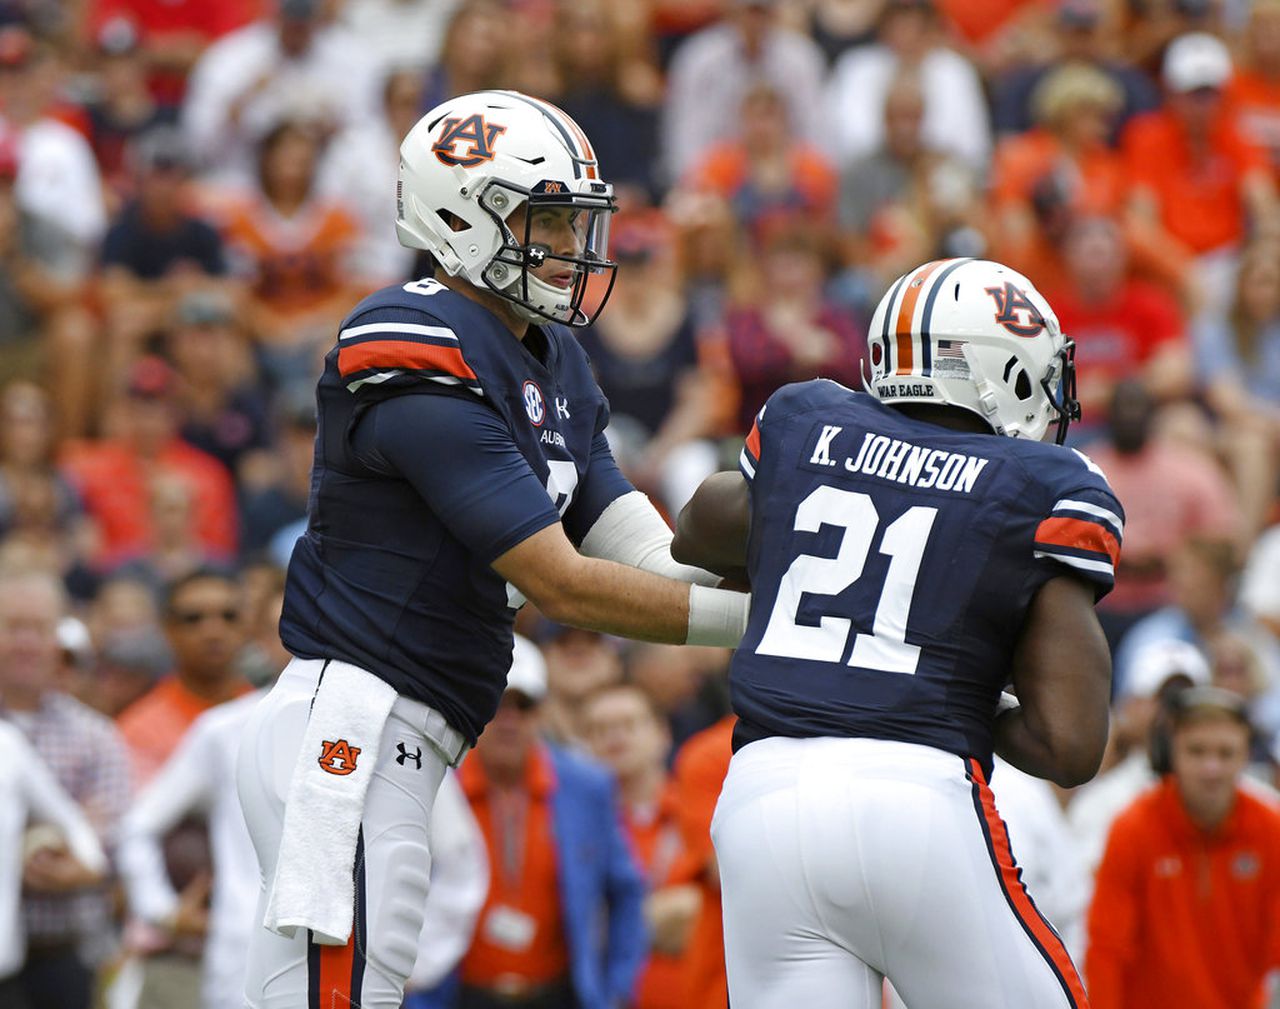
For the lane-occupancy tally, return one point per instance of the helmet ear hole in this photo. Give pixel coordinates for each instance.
(1022, 386)
(455, 223)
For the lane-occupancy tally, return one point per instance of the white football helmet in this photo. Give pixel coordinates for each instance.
(974, 334)
(473, 160)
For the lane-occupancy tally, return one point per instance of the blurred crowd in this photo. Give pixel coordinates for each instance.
(193, 195)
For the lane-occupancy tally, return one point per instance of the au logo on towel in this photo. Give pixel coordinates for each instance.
(338, 756)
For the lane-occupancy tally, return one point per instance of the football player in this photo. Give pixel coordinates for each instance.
(460, 468)
(912, 550)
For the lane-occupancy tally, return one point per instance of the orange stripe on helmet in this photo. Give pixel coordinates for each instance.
(588, 154)
(906, 312)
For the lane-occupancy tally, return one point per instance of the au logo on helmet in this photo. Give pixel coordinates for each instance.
(1010, 300)
(474, 134)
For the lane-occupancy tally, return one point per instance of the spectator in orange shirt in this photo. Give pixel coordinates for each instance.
(1186, 912)
(1254, 91)
(1196, 182)
(563, 922)
(1066, 154)
(205, 627)
(113, 475)
(700, 768)
(295, 250)
(627, 733)
(768, 174)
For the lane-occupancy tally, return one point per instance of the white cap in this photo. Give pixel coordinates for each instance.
(73, 636)
(1153, 666)
(528, 673)
(1197, 60)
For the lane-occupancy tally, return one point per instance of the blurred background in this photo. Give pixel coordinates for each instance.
(194, 193)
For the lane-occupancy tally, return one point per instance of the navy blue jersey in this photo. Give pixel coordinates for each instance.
(892, 562)
(443, 441)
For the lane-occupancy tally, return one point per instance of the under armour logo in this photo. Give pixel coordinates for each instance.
(562, 407)
(405, 755)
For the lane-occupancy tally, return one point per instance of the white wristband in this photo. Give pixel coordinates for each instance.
(717, 616)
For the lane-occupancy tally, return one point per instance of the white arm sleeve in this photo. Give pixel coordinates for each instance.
(630, 531)
(459, 885)
(179, 787)
(49, 801)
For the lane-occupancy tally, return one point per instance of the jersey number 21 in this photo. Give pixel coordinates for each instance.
(885, 648)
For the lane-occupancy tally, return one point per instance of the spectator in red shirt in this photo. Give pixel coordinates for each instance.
(1187, 906)
(175, 33)
(1123, 327)
(113, 474)
(788, 330)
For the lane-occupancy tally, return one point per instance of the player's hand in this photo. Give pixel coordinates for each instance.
(56, 870)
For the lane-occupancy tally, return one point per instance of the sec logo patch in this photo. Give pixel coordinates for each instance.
(534, 405)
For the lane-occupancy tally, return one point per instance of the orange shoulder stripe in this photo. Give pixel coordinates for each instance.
(753, 440)
(388, 354)
(1078, 534)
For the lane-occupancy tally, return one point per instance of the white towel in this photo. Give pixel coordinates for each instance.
(314, 886)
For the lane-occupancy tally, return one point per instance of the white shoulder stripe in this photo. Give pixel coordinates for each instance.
(1093, 466)
(383, 376)
(1069, 504)
(744, 461)
(408, 328)
(1084, 564)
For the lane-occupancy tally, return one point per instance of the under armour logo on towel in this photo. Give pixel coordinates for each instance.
(405, 755)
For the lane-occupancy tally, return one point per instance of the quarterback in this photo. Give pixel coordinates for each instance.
(460, 469)
(912, 551)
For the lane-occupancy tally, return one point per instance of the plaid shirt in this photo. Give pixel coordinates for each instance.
(90, 761)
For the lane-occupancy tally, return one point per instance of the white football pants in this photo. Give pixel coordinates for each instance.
(844, 861)
(393, 864)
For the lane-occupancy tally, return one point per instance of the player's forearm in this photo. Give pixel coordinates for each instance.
(1017, 741)
(616, 599)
